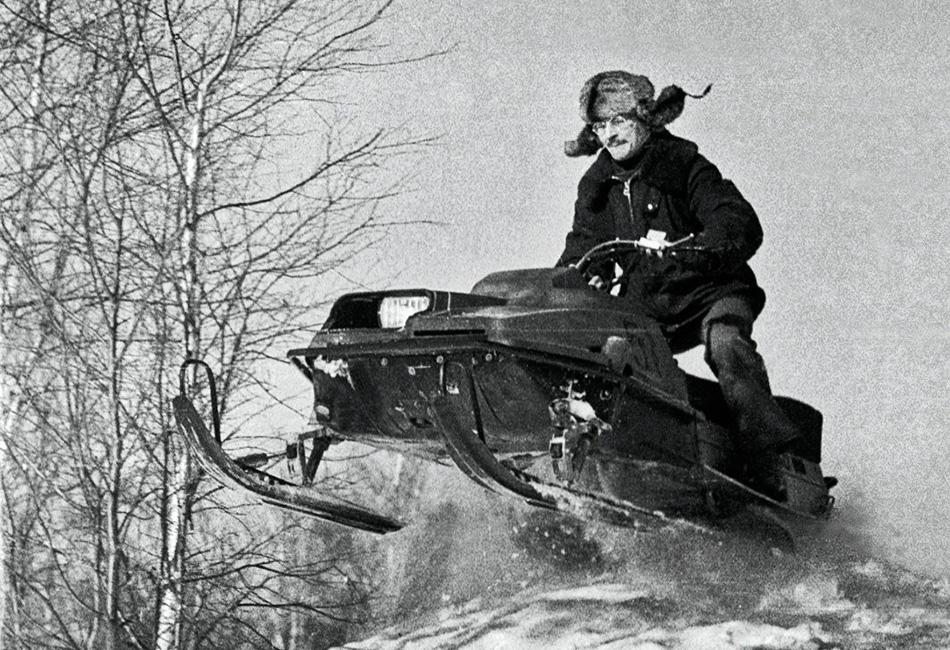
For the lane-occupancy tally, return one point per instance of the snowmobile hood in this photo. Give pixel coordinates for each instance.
(550, 312)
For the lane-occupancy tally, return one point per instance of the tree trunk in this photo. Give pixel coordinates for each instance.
(171, 603)
(10, 402)
(171, 598)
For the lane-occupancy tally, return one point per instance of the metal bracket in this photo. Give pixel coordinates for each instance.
(574, 421)
(309, 463)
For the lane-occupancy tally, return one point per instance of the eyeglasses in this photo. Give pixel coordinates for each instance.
(616, 121)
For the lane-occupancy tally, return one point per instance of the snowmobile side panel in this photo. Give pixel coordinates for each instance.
(366, 345)
(807, 498)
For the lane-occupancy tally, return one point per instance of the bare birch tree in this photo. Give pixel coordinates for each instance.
(148, 215)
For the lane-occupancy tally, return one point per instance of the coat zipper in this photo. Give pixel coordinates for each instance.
(626, 193)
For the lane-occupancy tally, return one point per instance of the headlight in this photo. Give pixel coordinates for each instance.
(394, 311)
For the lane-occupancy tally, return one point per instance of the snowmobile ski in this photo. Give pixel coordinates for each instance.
(267, 487)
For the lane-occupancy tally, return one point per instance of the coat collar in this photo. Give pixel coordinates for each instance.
(664, 164)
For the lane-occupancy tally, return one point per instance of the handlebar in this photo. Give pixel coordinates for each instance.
(644, 246)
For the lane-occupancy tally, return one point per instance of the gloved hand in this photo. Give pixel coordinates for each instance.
(699, 259)
(598, 275)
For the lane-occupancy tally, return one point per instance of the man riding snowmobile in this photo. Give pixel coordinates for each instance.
(647, 183)
(538, 387)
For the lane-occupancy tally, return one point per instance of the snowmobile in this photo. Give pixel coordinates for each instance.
(535, 384)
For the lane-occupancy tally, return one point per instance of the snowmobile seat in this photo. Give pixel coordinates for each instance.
(551, 288)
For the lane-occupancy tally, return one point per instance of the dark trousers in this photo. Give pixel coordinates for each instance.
(762, 425)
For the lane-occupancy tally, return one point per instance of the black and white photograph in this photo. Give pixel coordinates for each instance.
(474, 325)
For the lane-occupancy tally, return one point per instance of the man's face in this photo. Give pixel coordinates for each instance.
(622, 136)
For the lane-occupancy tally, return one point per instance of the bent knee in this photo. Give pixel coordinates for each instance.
(730, 349)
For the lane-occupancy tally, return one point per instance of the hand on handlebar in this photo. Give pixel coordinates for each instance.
(696, 257)
(699, 259)
(659, 247)
(686, 252)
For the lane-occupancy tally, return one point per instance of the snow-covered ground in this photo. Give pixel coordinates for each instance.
(548, 585)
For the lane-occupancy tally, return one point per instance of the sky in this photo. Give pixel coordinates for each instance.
(830, 116)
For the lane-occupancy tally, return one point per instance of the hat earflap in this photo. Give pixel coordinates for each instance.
(666, 107)
(585, 144)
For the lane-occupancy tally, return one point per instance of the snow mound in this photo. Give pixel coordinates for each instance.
(673, 592)
(811, 614)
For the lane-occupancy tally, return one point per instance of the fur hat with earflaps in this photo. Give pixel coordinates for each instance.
(616, 92)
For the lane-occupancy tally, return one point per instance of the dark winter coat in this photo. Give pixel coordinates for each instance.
(671, 188)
